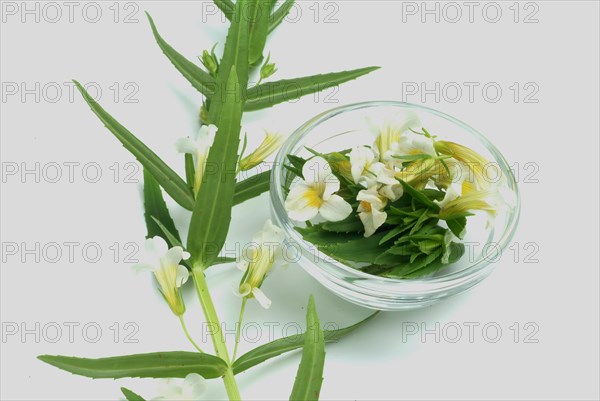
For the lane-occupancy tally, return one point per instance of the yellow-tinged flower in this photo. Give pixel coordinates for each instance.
(199, 148)
(455, 205)
(371, 209)
(269, 145)
(474, 162)
(266, 243)
(388, 135)
(170, 275)
(418, 173)
(315, 194)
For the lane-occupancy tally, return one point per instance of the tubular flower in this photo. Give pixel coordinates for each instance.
(315, 194)
(170, 275)
(199, 148)
(475, 163)
(454, 205)
(266, 242)
(388, 135)
(364, 163)
(418, 173)
(269, 145)
(370, 210)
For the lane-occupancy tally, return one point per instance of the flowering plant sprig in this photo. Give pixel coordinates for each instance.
(210, 189)
(401, 203)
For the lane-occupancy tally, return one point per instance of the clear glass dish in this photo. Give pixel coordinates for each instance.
(345, 127)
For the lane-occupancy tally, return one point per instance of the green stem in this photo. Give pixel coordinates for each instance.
(216, 333)
(239, 327)
(187, 334)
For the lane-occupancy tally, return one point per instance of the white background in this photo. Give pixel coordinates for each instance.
(557, 294)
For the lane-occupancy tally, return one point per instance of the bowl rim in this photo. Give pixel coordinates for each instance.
(449, 280)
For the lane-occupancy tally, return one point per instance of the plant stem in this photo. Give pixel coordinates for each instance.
(216, 333)
(239, 327)
(187, 334)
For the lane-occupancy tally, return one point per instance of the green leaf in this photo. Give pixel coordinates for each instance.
(200, 79)
(235, 55)
(320, 237)
(456, 252)
(156, 365)
(278, 347)
(226, 6)
(190, 171)
(259, 28)
(420, 221)
(351, 224)
(358, 250)
(272, 93)
(419, 196)
(394, 232)
(130, 395)
(252, 187)
(405, 270)
(279, 15)
(157, 214)
(457, 226)
(212, 212)
(309, 378)
(167, 234)
(166, 177)
(223, 259)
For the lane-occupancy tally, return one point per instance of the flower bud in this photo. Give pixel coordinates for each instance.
(270, 144)
(267, 69)
(209, 60)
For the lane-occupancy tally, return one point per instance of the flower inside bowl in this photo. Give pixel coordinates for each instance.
(391, 205)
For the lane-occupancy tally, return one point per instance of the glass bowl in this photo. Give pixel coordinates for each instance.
(345, 127)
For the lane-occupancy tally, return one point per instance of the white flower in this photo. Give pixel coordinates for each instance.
(370, 210)
(266, 243)
(364, 164)
(191, 389)
(199, 148)
(411, 144)
(315, 194)
(390, 186)
(388, 133)
(170, 275)
(270, 144)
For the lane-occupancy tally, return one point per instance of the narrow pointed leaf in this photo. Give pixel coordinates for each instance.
(278, 347)
(166, 233)
(272, 93)
(419, 196)
(200, 79)
(156, 365)
(226, 6)
(309, 378)
(164, 175)
(235, 55)
(212, 211)
(156, 212)
(259, 28)
(130, 395)
(252, 187)
(190, 170)
(279, 15)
